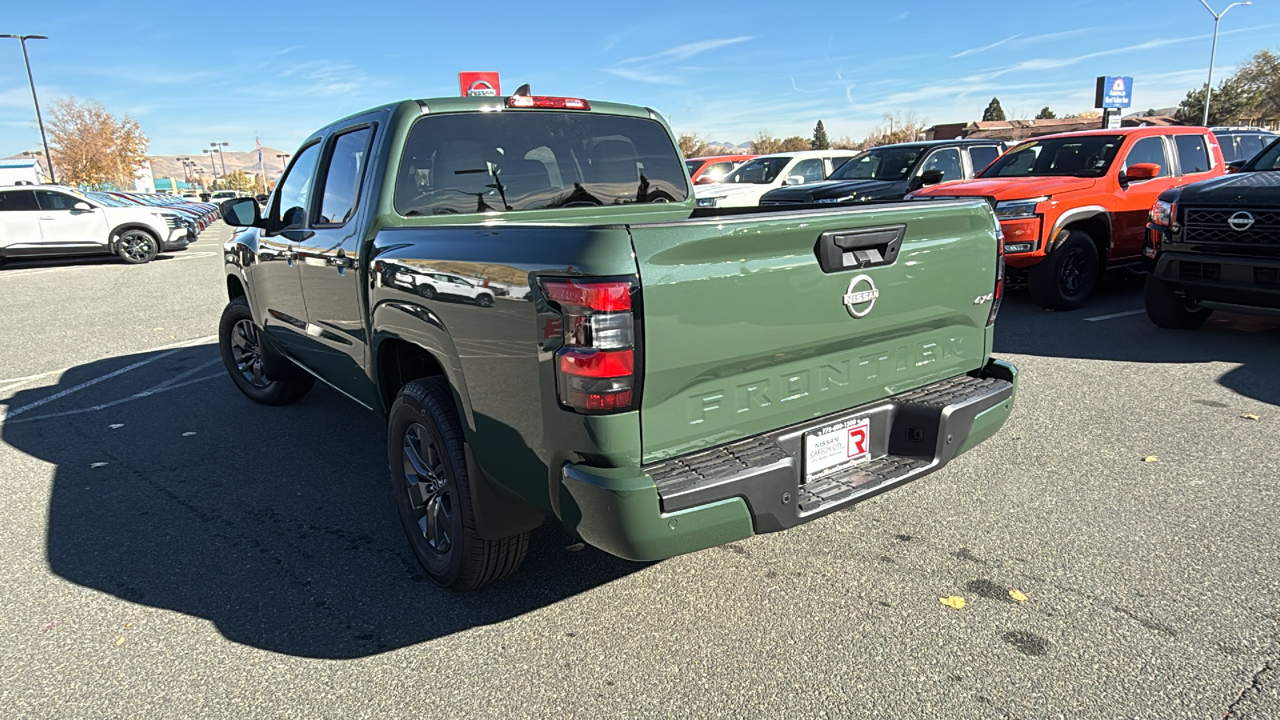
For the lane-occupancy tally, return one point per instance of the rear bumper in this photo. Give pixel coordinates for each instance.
(755, 485)
(1225, 282)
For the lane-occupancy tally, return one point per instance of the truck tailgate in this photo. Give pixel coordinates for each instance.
(745, 331)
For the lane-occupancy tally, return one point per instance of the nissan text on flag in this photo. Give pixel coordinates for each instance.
(676, 377)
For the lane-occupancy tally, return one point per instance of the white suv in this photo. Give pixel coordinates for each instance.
(744, 186)
(432, 283)
(51, 220)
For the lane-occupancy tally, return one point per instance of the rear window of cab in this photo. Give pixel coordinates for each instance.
(535, 160)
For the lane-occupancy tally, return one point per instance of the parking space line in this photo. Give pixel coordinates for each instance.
(1113, 316)
(162, 388)
(6, 415)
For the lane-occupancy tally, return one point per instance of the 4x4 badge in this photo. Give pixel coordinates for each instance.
(1241, 221)
(861, 296)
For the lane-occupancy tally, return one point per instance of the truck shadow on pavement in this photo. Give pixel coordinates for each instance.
(275, 524)
(1252, 342)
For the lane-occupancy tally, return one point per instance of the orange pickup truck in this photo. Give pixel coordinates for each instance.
(1073, 204)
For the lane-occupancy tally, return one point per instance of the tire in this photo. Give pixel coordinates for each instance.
(485, 301)
(1169, 311)
(241, 350)
(1065, 279)
(426, 291)
(432, 495)
(136, 246)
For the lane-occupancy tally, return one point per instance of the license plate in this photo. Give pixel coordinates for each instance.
(837, 447)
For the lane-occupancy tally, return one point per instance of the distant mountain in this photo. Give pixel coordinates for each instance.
(740, 146)
(169, 165)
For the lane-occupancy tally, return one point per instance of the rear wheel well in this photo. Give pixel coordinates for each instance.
(400, 363)
(1099, 230)
(235, 288)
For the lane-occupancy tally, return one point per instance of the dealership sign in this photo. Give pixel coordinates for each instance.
(1114, 92)
(479, 84)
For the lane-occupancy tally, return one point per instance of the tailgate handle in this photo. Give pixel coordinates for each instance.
(840, 250)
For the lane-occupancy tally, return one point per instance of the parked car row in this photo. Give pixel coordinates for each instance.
(53, 220)
(1072, 205)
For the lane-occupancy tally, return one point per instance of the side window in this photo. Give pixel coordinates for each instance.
(948, 161)
(1193, 156)
(18, 201)
(1148, 150)
(811, 170)
(1250, 145)
(982, 156)
(342, 178)
(50, 200)
(294, 192)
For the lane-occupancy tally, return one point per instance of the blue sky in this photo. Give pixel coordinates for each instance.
(195, 72)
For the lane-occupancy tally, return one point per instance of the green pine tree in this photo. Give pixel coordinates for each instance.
(1046, 114)
(993, 111)
(820, 140)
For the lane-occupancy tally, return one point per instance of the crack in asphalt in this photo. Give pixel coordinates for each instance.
(1255, 685)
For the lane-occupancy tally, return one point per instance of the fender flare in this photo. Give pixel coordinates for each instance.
(1086, 212)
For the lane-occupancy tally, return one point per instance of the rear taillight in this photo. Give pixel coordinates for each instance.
(998, 293)
(596, 367)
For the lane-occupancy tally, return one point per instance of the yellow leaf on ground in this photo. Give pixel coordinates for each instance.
(119, 642)
(574, 547)
(1151, 458)
(1249, 416)
(1018, 595)
(954, 601)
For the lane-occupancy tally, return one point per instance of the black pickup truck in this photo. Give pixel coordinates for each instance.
(657, 377)
(1215, 245)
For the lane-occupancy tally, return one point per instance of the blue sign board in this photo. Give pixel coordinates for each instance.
(1114, 92)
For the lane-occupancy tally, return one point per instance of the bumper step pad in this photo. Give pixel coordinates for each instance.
(766, 469)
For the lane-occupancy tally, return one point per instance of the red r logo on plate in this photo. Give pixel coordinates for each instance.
(858, 441)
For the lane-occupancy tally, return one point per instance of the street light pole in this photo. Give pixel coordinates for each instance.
(39, 120)
(212, 165)
(1208, 87)
(218, 146)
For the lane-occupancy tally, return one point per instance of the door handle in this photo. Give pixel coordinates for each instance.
(48, 218)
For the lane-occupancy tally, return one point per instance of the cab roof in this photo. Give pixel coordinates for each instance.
(1146, 131)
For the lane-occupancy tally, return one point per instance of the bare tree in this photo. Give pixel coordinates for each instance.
(91, 147)
(898, 128)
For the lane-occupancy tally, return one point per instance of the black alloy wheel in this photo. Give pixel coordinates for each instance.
(426, 291)
(431, 488)
(429, 501)
(137, 246)
(485, 301)
(244, 356)
(1066, 278)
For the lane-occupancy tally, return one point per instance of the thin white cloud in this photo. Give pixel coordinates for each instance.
(643, 75)
(688, 50)
(984, 48)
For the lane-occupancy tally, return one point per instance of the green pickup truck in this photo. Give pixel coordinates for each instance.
(523, 286)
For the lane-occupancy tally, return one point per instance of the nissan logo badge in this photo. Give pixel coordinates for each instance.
(1241, 221)
(861, 296)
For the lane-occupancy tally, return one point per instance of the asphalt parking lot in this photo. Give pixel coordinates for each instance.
(172, 550)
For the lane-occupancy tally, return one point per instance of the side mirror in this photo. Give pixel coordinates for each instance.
(262, 199)
(705, 180)
(1237, 166)
(1142, 171)
(794, 180)
(83, 206)
(931, 177)
(241, 212)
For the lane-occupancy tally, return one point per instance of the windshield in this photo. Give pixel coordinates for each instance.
(761, 171)
(535, 160)
(693, 165)
(884, 163)
(1268, 159)
(1078, 156)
